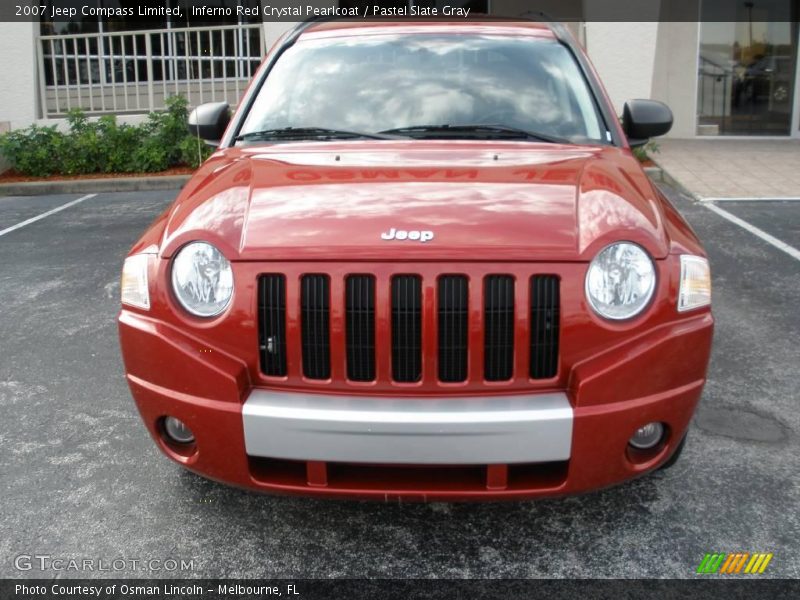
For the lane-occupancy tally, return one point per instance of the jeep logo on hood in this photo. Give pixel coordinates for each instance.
(401, 234)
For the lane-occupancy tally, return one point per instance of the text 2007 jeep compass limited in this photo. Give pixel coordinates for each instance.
(422, 263)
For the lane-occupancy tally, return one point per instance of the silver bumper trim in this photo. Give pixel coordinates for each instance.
(468, 430)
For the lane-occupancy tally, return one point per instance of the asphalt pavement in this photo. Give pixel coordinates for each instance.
(80, 477)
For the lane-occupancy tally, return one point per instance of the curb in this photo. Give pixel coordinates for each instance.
(659, 174)
(655, 173)
(89, 186)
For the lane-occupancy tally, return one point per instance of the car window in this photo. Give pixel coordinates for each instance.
(373, 83)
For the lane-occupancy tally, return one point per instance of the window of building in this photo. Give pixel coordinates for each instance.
(136, 49)
(95, 24)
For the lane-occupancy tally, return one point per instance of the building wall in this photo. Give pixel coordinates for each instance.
(624, 56)
(19, 98)
(656, 60)
(622, 52)
(675, 74)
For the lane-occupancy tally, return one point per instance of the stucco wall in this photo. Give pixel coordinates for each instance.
(675, 74)
(18, 93)
(624, 56)
(656, 60)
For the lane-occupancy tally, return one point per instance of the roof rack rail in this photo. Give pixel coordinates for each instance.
(556, 26)
(298, 29)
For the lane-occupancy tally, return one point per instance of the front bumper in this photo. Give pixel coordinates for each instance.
(535, 428)
(549, 443)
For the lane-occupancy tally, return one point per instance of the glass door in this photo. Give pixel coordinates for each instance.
(747, 69)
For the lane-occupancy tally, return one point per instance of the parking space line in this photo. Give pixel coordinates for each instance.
(45, 214)
(754, 199)
(782, 246)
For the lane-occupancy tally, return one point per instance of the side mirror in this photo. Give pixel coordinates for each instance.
(209, 121)
(645, 119)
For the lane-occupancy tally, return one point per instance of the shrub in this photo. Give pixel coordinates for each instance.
(193, 152)
(642, 153)
(81, 150)
(33, 151)
(120, 143)
(105, 146)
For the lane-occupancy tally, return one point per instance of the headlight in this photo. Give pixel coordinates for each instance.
(695, 283)
(133, 286)
(620, 281)
(202, 279)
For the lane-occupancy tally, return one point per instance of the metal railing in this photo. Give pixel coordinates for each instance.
(136, 71)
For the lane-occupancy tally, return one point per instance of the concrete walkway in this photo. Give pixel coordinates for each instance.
(723, 168)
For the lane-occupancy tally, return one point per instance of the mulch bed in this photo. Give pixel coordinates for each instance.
(12, 176)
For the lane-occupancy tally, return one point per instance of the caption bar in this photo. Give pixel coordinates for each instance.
(269, 12)
(186, 11)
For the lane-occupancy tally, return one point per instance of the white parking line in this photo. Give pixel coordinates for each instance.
(765, 199)
(44, 215)
(782, 246)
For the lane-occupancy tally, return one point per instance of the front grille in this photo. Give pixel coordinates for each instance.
(357, 327)
(315, 326)
(272, 330)
(453, 323)
(360, 317)
(544, 326)
(406, 328)
(498, 346)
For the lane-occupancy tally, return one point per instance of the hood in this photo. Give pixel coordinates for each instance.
(418, 201)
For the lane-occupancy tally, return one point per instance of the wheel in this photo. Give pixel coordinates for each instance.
(675, 455)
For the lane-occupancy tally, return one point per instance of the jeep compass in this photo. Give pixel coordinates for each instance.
(422, 263)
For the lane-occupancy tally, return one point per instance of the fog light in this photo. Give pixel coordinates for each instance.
(178, 431)
(647, 436)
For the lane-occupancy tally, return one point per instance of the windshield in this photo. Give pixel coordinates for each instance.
(382, 83)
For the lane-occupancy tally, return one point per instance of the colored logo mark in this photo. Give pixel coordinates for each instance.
(745, 563)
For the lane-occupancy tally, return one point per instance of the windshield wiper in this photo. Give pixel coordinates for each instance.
(472, 132)
(304, 133)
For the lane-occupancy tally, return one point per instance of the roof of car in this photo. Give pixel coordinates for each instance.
(484, 25)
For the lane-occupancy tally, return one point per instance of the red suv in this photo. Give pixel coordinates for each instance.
(422, 263)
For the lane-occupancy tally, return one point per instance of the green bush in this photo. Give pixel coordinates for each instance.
(34, 151)
(120, 143)
(105, 146)
(81, 150)
(643, 153)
